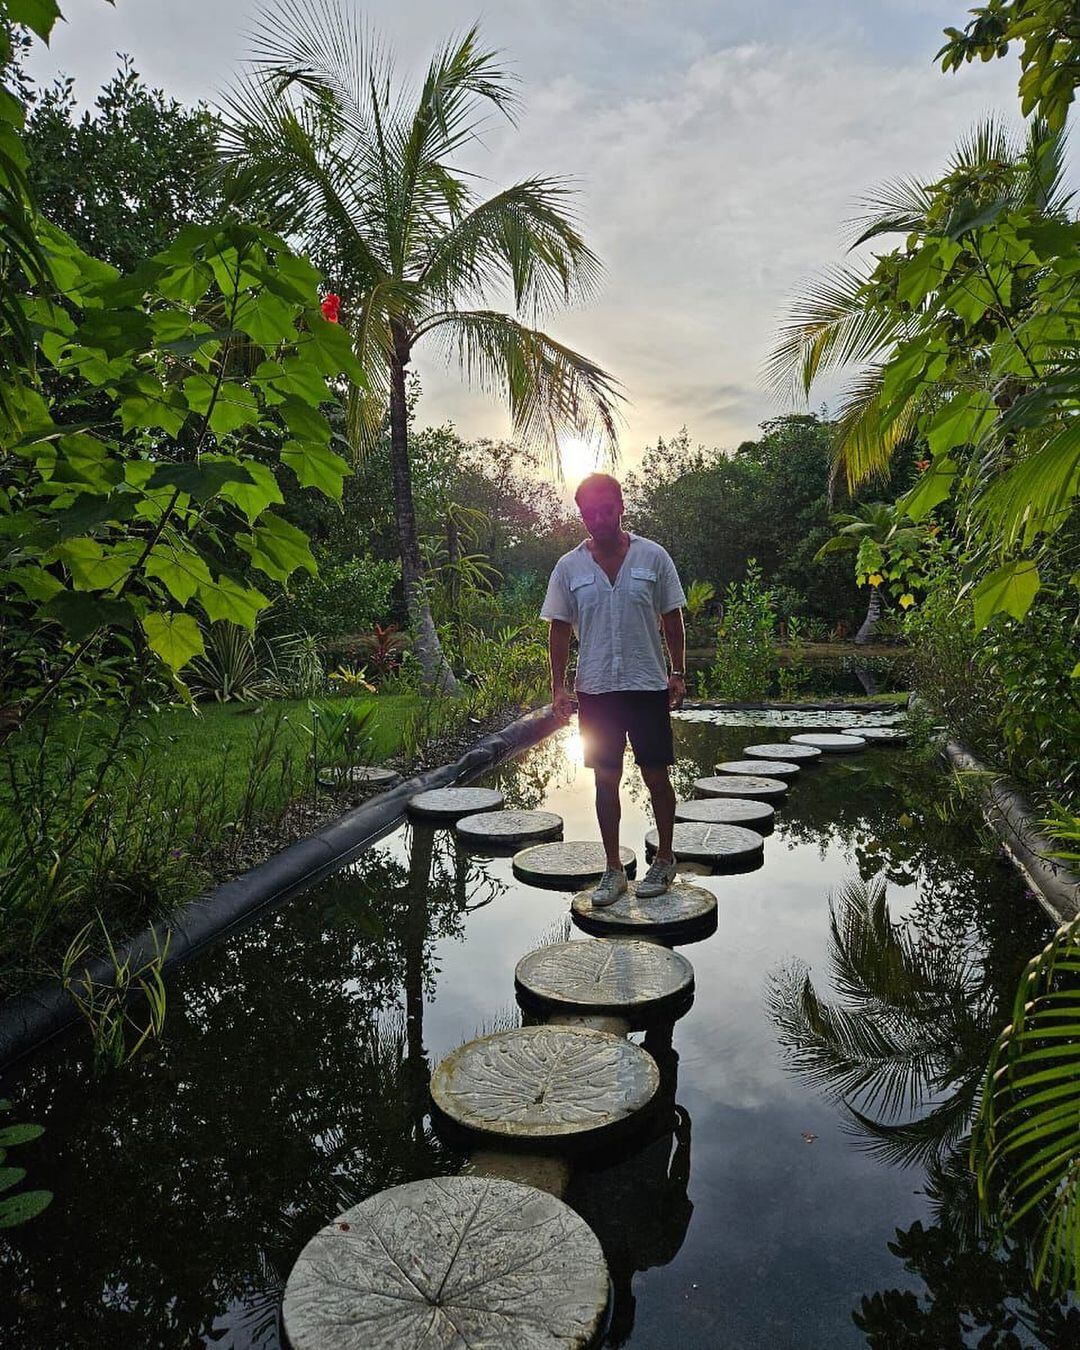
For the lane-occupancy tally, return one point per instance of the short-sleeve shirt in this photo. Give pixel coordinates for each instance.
(617, 625)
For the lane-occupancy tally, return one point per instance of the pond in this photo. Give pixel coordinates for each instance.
(292, 1082)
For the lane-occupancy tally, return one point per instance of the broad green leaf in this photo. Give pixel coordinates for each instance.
(186, 281)
(175, 638)
(292, 277)
(960, 422)
(91, 568)
(231, 406)
(203, 480)
(19, 1134)
(35, 582)
(1009, 590)
(301, 379)
(227, 599)
(85, 461)
(255, 496)
(117, 332)
(305, 423)
(316, 467)
(40, 15)
(26, 1205)
(144, 402)
(179, 568)
(277, 548)
(932, 488)
(330, 348)
(267, 319)
(11, 1176)
(81, 614)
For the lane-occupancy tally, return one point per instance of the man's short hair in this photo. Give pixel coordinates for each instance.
(598, 485)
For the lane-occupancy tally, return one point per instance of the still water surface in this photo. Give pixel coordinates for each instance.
(292, 1081)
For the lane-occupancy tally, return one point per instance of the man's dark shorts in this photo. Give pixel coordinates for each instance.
(605, 721)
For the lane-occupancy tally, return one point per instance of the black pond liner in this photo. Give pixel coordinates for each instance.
(28, 1021)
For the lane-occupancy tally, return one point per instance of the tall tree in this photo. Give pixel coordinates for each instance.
(319, 135)
(123, 177)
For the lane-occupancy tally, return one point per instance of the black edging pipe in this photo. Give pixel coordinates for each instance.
(29, 1020)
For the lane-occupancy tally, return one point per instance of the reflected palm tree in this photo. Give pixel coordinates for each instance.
(904, 1047)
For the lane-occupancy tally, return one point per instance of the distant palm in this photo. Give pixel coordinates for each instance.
(866, 520)
(844, 321)
(318, 137)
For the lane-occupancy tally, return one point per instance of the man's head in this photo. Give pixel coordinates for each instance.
(600, 501)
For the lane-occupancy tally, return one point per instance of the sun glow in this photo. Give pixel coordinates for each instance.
(579, 459)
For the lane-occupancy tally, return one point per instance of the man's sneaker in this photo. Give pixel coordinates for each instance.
(612, 885)
(657, 880)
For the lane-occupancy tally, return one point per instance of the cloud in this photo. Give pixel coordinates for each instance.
(718, 155)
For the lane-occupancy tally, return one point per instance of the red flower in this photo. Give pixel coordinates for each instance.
(330, 307)
(921, 464)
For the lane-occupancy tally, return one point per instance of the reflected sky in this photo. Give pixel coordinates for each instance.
(292, 1081)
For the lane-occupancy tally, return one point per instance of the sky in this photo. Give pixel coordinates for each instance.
(718, 149)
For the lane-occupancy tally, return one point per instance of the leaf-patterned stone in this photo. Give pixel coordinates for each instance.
(567, 865)
(830, 743)
(543, 1083)
(805, 754)
(454, 1263)
(682, 914)
(450, 803)
(619, 975)
(700, 841)
(746, 811)
(741, 785)
(509, 827)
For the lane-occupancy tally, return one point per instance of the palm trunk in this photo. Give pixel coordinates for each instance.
(873, 613)
(437, 675)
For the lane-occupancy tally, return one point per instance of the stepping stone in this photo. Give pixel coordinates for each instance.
(566, 866)
(450, 803)
(726, 847)
(775, 768)
(882, 735)
(536, 1085)
(832, 743)
(504, 828)
(359, 775)
(685, 913)
(637, 980)
(449, 1263)
(805, 754)
(754, 815)
(741, 785)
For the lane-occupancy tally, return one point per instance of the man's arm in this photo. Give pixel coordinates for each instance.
(675, 636)
(559, 632)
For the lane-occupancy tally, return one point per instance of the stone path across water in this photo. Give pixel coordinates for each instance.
(804, 754)
(685, 913)
(450, 803)
(741, 785)
(754, 815)
(720, 845)
(775, 768)
(566, 866)
(830, 743)
(449, 1263)
(505, 828)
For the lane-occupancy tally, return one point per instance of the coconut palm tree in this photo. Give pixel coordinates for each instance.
(319, 137)
(854, 317)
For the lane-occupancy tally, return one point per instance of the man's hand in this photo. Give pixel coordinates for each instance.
(676, 689)
(562, 703)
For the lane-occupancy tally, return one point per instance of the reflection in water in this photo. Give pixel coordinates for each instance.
(638, 1205)
(903, 1049)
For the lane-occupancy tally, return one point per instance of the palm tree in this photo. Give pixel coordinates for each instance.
(855, 317)
(876, 521)
(318, 137)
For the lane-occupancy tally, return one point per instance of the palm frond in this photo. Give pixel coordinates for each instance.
(1025, 1149)
(898, 206)
(552, 390)
(523, 235)
(834, 323)
(868, 430)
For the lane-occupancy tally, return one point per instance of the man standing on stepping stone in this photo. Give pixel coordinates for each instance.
(616, 591)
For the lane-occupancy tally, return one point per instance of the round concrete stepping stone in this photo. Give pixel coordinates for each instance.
(746, 811)
(741, 785)
(359, 775)
(638, 980)
(882, 735)
(767, 768)
(446, 1264)
(449, 803)
(831, 743)
(720, 845)
(503, 828)
(566, 866)
(539, 1084)
(805, 754)
(684, 913)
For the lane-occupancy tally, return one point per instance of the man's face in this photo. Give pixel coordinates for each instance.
(602, 514)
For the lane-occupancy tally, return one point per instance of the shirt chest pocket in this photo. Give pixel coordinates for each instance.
(582, 590)
(643, 586)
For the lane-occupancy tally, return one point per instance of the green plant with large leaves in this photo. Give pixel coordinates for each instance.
(320, 137)
(1025, 1149)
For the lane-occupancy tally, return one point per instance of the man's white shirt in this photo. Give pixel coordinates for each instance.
(617, 623)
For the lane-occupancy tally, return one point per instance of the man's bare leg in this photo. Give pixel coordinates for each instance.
(609, 812)
(662, 793)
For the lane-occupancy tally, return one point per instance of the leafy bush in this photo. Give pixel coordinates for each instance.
(345, 597)
(745, 648)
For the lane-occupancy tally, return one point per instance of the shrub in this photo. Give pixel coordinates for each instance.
(346, 597)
